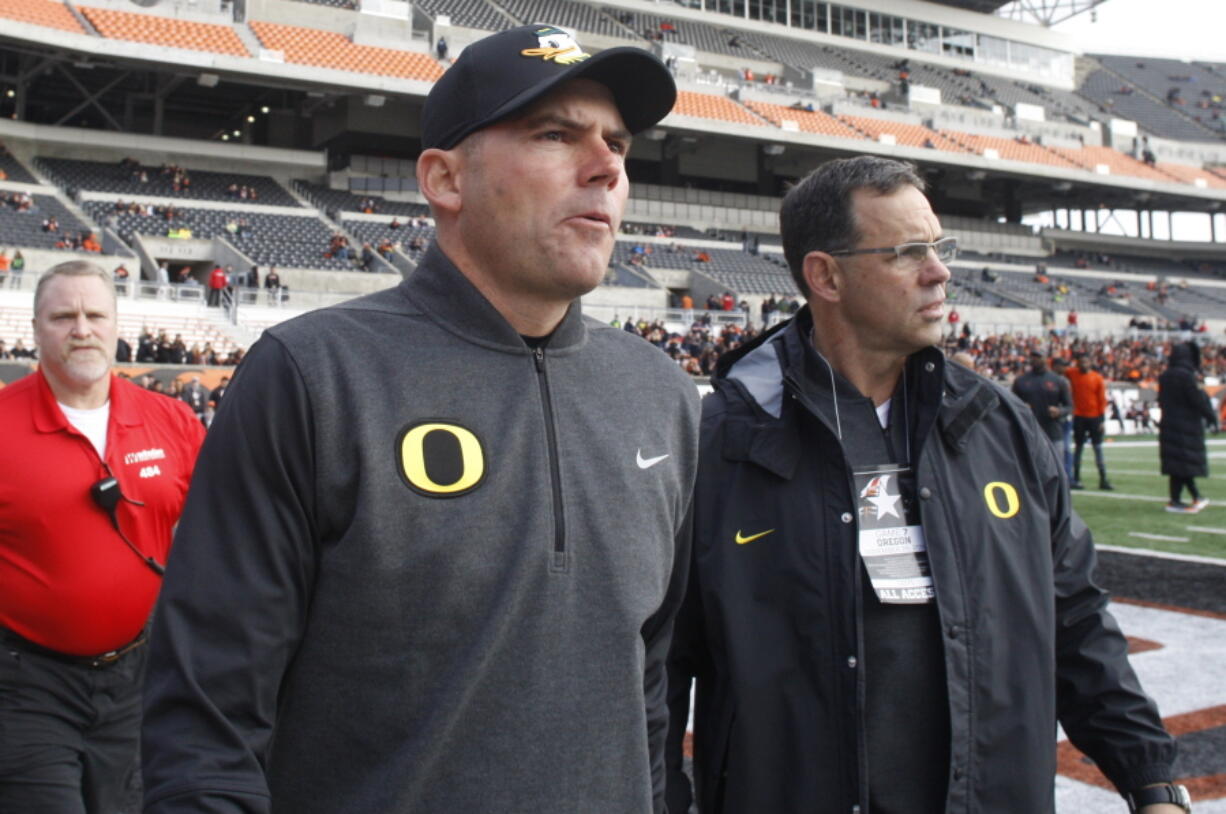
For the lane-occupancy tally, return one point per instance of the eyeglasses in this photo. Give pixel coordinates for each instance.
(912, 253)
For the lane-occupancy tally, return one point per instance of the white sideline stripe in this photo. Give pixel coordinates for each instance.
(1119, 496)
(1206, 530)
(1162, 555)
(1125, 444)
(1143, 535)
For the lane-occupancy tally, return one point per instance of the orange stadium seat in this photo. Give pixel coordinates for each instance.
(326, 49)
(49, 13)
(709, 106)
(124, 25)
(1012, 149)
(816, 121)
(1120, 164)
(911, 135)
(1190, 175)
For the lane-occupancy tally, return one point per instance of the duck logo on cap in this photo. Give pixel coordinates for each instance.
(556, 46)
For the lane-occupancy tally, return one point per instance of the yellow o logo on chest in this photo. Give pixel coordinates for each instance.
(1012, 502)
(439, 459)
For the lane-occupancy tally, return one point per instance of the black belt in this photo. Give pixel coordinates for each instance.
(93, 662)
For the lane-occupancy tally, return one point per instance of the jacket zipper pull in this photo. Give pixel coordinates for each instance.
(538, 355)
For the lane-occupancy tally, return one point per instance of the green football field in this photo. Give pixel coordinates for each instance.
(1133, 515)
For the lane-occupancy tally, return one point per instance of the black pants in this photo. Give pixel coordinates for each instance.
(1177, 486)
(69, 734)
(1088, 429)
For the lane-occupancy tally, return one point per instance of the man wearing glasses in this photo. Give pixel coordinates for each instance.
(890, 603)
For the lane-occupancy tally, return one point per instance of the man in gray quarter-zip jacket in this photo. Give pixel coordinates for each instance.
(438, 535)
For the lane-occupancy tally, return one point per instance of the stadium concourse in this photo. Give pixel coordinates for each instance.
(274, 142)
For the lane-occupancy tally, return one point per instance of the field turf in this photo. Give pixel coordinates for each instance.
(1134, 516)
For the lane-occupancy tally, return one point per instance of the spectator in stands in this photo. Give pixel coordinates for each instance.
(219, 392)
(20, 351)
(1186, 412)
(50, 224)
(87, 456)
(5, 353)
(196, 396)
(18, 267)
(527, 195)
(121, 272)
(440, 48)
(4, 267)
(272, 280)
(253, 277)
(368, 257)
(217, 282)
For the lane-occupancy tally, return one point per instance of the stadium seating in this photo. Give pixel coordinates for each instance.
(911, 135)
(269, 240)
(96, 176)
(1090, 157)
(1012, 149)
(24, 229)
(815, 121)
(337, 200)
(327, 49)
(713, 39)
(1183, 84)
(568, 13)
(1191, 175)
(166, 31)
(132, 321)
(709, 106)
(1118, 98)
(12, 169)
(48, 13)
(468, 13)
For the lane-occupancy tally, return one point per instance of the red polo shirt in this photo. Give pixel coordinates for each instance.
(67, 580)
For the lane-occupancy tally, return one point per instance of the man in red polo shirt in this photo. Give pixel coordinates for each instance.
(93, 474)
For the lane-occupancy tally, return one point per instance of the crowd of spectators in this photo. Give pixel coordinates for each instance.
(159, 348)
(696, 351)
(17, 201)
(1133, 359)
(11, 267)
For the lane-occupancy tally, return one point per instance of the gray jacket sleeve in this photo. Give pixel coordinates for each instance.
(235, 598)
(657, 636)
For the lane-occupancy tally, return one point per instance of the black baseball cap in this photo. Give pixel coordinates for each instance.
(502, 74)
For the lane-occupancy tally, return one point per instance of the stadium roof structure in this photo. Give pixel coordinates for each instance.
(1043, 12)
(982, 6)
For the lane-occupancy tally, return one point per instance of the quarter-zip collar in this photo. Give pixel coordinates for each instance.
(445, 295)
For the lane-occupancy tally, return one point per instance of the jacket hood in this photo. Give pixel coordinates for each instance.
(1186, 354)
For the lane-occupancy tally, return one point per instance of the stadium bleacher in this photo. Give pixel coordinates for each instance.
(693, 208)
(25, 229)
(12, 170)
(126, 179)
(329, 49)
(274, 240)
(165, 31)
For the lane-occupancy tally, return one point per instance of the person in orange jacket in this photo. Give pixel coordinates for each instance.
(1089, 416)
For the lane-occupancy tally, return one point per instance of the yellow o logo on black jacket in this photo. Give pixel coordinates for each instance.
(440, 459)
(1012, 503)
